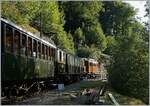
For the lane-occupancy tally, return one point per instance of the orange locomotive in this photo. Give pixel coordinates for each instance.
(91, 66)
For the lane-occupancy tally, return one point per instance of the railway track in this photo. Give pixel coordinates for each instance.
(70, 95)
(29, 92)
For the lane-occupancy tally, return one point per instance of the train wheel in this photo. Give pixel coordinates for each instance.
(8, 94)
(3, 92)
(39, 87)
(14, 91)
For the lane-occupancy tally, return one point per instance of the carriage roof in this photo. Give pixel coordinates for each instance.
(27, 32)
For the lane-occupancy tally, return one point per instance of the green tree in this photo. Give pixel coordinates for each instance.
(95, 37)
(129, 70)
(116, 17)
(20, 13)
(10, 12)
(82, 21)
(51, 20)
(127, 43)
(41, 15)
(79, 37)
(79, 13)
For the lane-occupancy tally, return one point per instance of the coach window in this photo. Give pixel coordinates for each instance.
(64, 56)
(30, 46)
(53, 53)
(23, 45)
(9, 38)
(2, 30)
(43, 52)
(39, 50)
(60, 55)
(16, 42)
(34, 48)
(49, 53)
(46, 53)
(70, 59)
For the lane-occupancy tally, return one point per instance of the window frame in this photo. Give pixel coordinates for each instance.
(39, 50)
(16, 41)
(3, 35)
(30, 49)
(10, 50)
(35, 44)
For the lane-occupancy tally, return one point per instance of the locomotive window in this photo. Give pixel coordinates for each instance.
(91, 64)
(9, 38)
(16, 41)
(39, 49)
(23, 45)
(34, 48)
(30, 46)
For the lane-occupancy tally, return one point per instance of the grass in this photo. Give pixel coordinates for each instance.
(125, 100)
(107, 99)
(90, 84)
(121, 99)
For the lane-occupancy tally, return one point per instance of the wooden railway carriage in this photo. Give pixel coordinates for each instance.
(68, 66)
(25, 57)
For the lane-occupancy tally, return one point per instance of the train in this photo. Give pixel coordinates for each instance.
(29, 61)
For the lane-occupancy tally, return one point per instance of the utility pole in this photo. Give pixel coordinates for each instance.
(40, 20)
(40, 26)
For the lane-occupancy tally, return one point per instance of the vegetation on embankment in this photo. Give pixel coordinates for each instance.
(126, 100)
